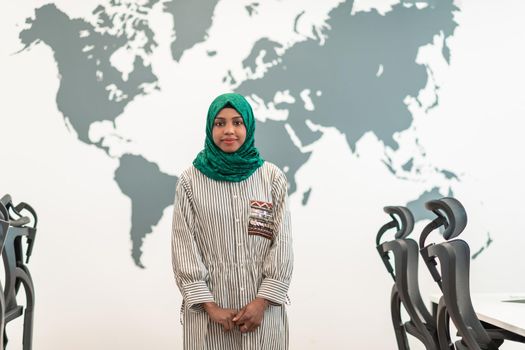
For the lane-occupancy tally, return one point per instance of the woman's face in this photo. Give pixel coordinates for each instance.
(228, 130)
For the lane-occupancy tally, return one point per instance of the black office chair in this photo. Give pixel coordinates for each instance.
(406, 288)
(4, 227)
(16, 272)
(453, 279)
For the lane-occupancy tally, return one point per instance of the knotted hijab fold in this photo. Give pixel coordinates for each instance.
(239, 165)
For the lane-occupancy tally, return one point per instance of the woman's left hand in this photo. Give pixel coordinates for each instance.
(250, 317)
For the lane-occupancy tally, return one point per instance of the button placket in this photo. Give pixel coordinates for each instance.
(240, 234)
(239, 256)
(237, 205)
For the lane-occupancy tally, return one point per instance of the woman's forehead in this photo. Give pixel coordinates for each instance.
(228, 112)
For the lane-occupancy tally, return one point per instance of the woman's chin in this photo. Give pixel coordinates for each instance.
(229, 148)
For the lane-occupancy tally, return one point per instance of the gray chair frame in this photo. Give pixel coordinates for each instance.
(15, 226)
(405, 290)
(454, 281)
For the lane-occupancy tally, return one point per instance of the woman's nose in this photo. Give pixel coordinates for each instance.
(228, 129)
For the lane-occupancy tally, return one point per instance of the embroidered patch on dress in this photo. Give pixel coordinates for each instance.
(261, 219)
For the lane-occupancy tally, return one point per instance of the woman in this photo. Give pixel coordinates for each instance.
(231, 242)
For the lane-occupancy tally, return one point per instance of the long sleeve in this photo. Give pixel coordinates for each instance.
(278, 264)
(190, 273)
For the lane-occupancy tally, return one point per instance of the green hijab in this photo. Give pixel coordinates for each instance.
(239, 165)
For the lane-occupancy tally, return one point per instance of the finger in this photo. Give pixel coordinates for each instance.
(228, 326)
(244, 318)
(252, 327)
(244, 328)
(247, 316)
(248, 325)
(233, 312)
(239, 315)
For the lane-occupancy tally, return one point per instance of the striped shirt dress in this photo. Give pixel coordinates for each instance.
(231, 243)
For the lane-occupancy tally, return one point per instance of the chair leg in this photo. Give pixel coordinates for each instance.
(3, 337)
(24, 276)
(399, 328)
(27, 341)
(443, 327)
(4, 227)
(461, 346)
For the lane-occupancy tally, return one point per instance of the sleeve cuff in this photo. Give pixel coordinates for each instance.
(195, 294)
(274, 291)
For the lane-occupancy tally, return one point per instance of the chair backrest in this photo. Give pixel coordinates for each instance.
(4, 221)
(17, 274)
(403, 221)
(4, 215)
(454, 277)
(4, 225)
(13, 252)
(405, 272)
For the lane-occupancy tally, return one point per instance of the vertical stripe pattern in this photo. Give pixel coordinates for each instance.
(215, 259)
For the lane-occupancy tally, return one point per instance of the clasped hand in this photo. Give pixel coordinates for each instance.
(247, 319)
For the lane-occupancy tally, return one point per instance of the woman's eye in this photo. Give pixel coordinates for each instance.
(238, 122)
(219, 124)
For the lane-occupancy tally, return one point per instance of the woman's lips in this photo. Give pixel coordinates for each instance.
(229, 141)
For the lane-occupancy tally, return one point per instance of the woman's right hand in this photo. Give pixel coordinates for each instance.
(219, 315)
